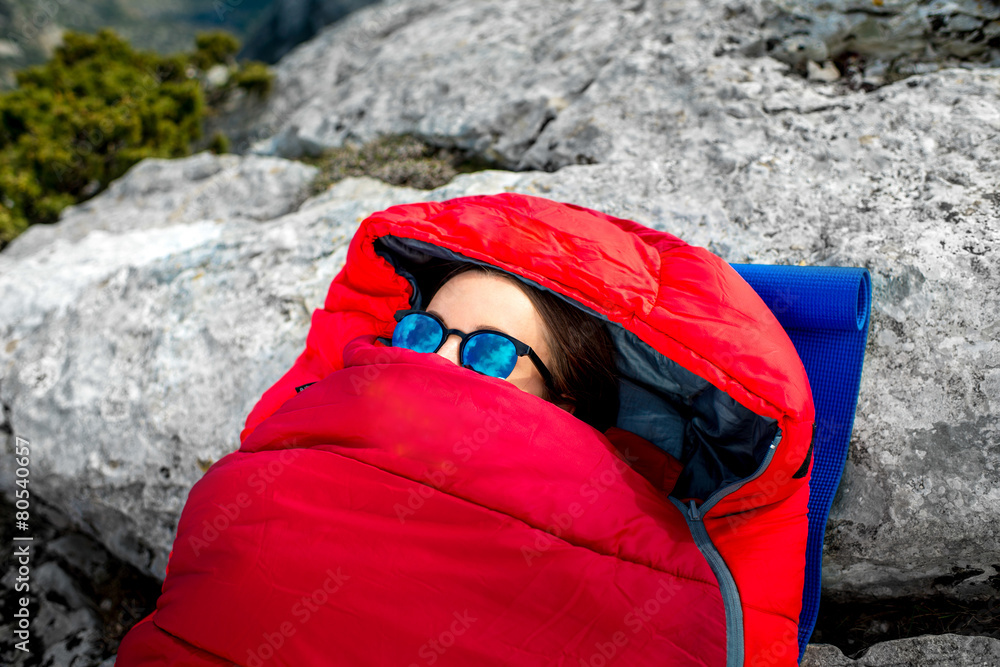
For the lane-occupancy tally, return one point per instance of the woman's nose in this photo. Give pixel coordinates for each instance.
(450, 348)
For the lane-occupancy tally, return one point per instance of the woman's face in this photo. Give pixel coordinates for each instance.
(474, 300)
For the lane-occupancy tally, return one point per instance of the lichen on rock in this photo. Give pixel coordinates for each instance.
(885, 40)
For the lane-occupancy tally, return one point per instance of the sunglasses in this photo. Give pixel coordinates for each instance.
(488, 352)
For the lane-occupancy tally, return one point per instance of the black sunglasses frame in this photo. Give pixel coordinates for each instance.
(522, 349)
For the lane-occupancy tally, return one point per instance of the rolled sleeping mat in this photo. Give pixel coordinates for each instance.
(825, 311)
(812, 297)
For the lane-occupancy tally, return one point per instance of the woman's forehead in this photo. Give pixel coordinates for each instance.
(477, 300)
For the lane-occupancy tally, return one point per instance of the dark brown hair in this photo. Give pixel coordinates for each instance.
(583, 354)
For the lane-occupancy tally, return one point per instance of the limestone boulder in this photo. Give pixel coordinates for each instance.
(123, 397)
(926, 651)
(895, 38)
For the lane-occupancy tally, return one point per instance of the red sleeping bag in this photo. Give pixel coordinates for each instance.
(402, 510)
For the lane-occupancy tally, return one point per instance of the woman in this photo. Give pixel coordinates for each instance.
(403, 510)
(574, 367)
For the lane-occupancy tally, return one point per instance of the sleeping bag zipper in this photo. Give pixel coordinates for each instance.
(693, 515)
(727, 585)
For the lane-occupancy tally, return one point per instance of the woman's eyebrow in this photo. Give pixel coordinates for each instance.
(488, 327)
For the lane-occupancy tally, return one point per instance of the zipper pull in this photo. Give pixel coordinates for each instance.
(693, 511)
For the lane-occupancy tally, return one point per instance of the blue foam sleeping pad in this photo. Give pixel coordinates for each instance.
(825, 311)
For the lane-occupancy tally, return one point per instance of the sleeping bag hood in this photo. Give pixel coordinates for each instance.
(387, 507)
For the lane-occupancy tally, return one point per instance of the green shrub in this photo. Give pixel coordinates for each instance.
(254, 77)
(96, 108)
(219, 143)
(214, 48)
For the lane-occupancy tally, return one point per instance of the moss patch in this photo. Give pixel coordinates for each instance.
(402, 160)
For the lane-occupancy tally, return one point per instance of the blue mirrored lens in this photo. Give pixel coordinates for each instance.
(490, 355)
(417, 332)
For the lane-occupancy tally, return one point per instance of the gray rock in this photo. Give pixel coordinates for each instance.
(606, 81)
(135, 351)
(80, 648)
(219, 187)
(905, 35)
(825, 655)
(216, 76)
(83, 553)
(926, 651)
(81, 600)
(58, 585)
(486, 76)
(131, 374)
(60, 635)
(55, 261)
